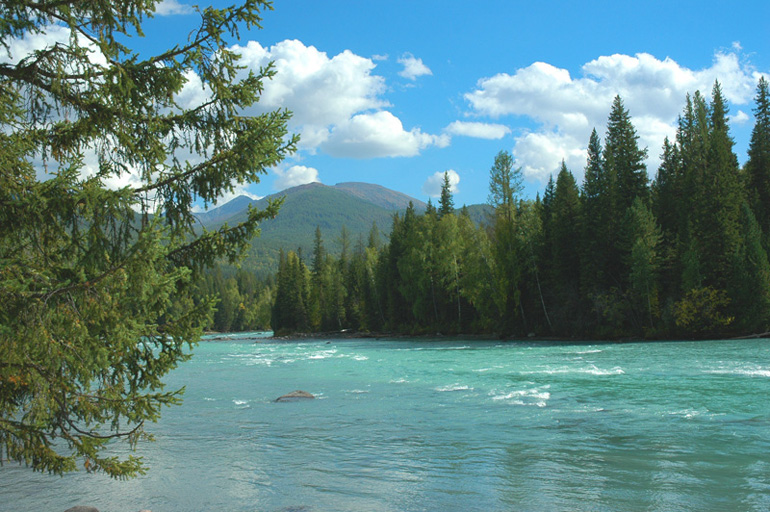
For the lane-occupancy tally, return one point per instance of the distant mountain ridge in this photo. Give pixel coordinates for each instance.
(377, 195)
(357, 206)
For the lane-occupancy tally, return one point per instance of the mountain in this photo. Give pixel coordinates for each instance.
(380, 196)
(357, 206)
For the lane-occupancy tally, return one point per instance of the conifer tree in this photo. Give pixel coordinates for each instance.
(505, 184)
(623, 159)
(749, 286)
(644, 264)
(719, 200)
(89, 273)
(565, 258)
(596, 208)
(758, 164)
(627, 173)
(446, 205)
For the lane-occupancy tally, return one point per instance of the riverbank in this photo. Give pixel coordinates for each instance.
(268, 336)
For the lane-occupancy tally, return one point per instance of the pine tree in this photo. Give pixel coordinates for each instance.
(505, 183)
(623, 159)
(758, 165)
(446, 205)
(565, 259)
(627, 173)
(720, 199)
(644, 264)
(95, 303)
(596, 208)
(749, 286)
(670, 209)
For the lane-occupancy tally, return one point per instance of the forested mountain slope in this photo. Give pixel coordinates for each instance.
(356, 206)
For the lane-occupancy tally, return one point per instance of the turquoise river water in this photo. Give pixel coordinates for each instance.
(409, 425)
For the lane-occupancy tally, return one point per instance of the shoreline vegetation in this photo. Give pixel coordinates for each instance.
(534, 338)
(684, 256)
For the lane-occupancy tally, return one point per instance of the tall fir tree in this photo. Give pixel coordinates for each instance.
(96, 281)
(627, 173)
(596, 207)
(758, 164)
(720, 199)
(446, 204)
(624, 160)
(564, 235)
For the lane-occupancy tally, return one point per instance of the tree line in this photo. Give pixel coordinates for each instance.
(617, 256)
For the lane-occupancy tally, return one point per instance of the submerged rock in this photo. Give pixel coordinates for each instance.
(295, 395)
(80, 508)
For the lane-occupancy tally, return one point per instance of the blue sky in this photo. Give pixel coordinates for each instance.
(398, 92)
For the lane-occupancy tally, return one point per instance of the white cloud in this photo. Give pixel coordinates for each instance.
(172, 7)
(541, 154)
(380, 134)
(295, 176)
(336, 102)
(489, 131)
(320, 91)
(740, 117)
(22, 47)
(432, 186)
(566, 109)
(193, 93)
(413, 67)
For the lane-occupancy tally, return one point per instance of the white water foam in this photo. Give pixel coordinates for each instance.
(534, 396)
(617, 370)
(591, 370)
(743, 372)
(454, 387)
(324, 354)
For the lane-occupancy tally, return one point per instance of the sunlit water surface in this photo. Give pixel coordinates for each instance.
(405, 425)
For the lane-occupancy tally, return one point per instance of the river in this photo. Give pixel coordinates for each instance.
(416, 425)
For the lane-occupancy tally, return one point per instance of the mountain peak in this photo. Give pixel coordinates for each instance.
(379, 195)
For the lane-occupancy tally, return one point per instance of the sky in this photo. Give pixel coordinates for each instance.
(397, 93)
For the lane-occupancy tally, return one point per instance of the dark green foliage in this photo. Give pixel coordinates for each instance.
(618, 259)
(290, 311)
(623, 162)
(758, 165)
(562, 240)
(596, 206)
(245, 302)
(97, 287)
(446, 205)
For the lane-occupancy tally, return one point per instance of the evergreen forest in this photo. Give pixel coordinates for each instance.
(617, 256)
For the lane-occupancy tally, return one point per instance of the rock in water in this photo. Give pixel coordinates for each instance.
(294, 395)
(81, 508)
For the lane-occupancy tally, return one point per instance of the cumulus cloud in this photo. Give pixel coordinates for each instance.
(566, 108)
(489, 131)
(739, 117)
(18, 48)
(379, 134)
(432, 186)
(540, 154)
(330, 98)
(295, 176)
(172, 7)
(413, 67)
